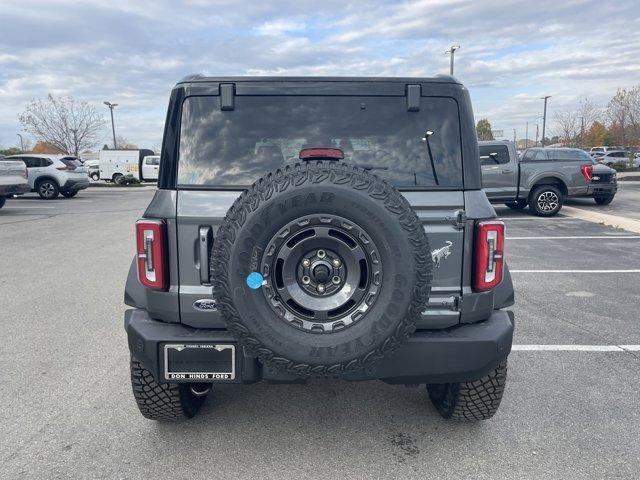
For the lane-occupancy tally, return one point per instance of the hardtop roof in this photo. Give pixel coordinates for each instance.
(199, 78)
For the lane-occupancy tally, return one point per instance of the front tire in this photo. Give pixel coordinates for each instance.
(48, 189)
(604, 200)
(545, 200)
(476, 400)
(95, 177)
(165, 402)
(2, 201)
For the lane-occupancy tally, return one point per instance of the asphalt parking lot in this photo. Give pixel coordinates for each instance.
(68, 411)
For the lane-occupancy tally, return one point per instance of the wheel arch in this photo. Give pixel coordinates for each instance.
(551, 180)
(42, 178)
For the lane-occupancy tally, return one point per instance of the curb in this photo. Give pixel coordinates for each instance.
(616, 221)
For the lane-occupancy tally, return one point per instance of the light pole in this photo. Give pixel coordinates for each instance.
(514, 135)
(21, 142)
(113, 128)
(536, 144)
(451, 52)
(544, 116)
(526, 136)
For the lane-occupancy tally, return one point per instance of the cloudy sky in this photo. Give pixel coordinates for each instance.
(133, 52)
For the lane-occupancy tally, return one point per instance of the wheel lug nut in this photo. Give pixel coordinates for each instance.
(321, 254)
(306, 280)
(306, 262)
(336, 279)
(336, 262)
(321, 288)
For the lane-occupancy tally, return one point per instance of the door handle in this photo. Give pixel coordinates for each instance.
(507, 171)
(205, 239)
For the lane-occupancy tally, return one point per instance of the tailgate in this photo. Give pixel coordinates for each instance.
(438, 212)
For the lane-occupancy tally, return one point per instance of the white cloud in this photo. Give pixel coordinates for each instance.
(132, 53)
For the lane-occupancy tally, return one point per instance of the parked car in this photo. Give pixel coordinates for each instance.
(93, 171)
(604, 150)
(13, 179)
(117, 165)
(636, 160)
(51, 175)
(340, 233)
(613, 157)
(543, 177)
(150, 167)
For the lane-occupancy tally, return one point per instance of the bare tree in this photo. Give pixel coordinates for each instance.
(624, 113)
(67, 124)
(567, 127)
(124, 143)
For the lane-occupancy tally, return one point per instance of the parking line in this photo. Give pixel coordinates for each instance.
(25, 208)
(574, 271)
(576, 348)
(576, 237)
(538, 218)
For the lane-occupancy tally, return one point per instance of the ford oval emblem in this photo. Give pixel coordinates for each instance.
(205, 305)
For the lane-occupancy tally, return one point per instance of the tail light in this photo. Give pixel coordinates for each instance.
(587, 172)
(488, 255)
(151, 240)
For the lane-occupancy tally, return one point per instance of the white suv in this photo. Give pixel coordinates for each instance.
(50, 175)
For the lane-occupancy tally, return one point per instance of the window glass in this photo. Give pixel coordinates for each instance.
(501, 154)
(234, 148)
(540, 155)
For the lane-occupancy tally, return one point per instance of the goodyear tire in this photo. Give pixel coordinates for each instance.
(321, 269)
(476, 400)
(165, 402)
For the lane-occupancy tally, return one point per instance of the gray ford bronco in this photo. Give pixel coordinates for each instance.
(319, 227)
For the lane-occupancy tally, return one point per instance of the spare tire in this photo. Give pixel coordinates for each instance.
(321, 269)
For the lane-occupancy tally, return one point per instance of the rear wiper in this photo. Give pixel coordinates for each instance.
(427, 134)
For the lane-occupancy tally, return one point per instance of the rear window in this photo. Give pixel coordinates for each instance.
(234, 148)
(71, 162)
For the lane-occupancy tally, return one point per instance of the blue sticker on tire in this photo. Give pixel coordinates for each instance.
(254, 280)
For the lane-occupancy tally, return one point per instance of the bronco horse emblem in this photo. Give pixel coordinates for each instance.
(440, 254)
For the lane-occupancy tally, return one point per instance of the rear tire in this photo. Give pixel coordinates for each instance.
(545, 200)
(165, 402)
(604, 200)
(476, 400)
(118, 179)
(48, 189)
(69, 194)
(2, 201)
(95, 177)
(517, 205)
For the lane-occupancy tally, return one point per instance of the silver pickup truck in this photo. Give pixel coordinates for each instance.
(543, 177)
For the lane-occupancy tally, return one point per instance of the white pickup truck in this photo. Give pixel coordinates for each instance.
(13, 179)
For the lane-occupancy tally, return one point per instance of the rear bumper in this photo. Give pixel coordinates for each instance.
(461, 353)
(593, 190)
(73, 185)
(14, 189)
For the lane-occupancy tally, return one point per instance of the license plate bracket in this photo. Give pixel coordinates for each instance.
(199, 362)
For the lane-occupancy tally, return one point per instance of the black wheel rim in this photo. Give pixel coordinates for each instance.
(47, 189)
(322, 273)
